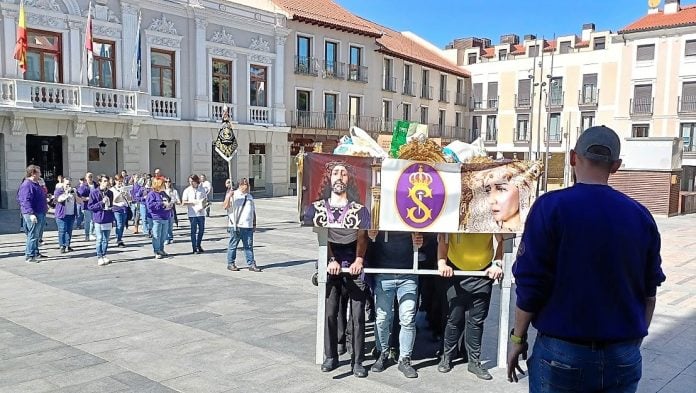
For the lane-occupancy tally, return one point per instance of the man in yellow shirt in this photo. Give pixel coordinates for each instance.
(472, 294)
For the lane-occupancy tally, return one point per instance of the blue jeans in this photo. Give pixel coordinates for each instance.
(170, 229)
(197, 228)
(159, 234)
(404, 287)
(79, 216)
(121, 223)
(557, 365)
(34, 231)
(90, 226)
(103, 232)
(65, 227)
(146, 221)
(246, 235)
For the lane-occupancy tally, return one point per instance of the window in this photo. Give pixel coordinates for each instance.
(492, 95)
(587, 120)
(556, 92)
(471, 58)
(475, 127)
(222, 81)
(491, 128)
(104, 65)
(642, 99)
(355, 63)
(502, 54)
(443, 88)
(458, 119)
(258, 85)
(386, 110)
(407, 112)
(304, 102)
(304, 54)
(688, 131)
(522, 131)
(389, 84)
(599, 43)
(555, 127)
(354, 110)
(690, 48)
(331, 59)
(589, 89)
(330, 101)
(460, 86)
(533, 51)
(409, 85)
(426, 92)
(565, 47)
(524, 92)
(645, 52)
(442, 116)
(478, 95)
(162, 73)
(640, 130)
(688, 97)
(424, 115)
(44, 60)
(460, 98)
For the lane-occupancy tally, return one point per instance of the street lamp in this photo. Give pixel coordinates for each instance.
(163, 148)
(44, 146)
(102, 147)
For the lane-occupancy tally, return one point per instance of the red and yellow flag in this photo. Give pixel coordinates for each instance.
(20, 53)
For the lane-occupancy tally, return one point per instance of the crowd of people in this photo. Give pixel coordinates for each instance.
(146, 201)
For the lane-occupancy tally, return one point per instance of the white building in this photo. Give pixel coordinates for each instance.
(196, 58)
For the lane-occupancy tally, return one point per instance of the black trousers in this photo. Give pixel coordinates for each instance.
(357, 295)
(472, 294)
(344, 329)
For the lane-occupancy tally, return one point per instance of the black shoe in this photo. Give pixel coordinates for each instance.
(233, 268)
(200, 250)
(69, 249)
(381, 364)
(342, 349)
(121, 244)
(477, 369)
(359, 371)
(329, 364)
(406, 368)
(41, 256)
(149, 235)
(254, 268)
(445, 365)
(194, 252)
(62, 250)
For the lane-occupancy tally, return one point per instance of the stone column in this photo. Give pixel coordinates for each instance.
(76, 164)
(278, 81)
(15, 155)
(9, 33)
(133, 150)
(129, 22)
(77, 56)
(201, 71)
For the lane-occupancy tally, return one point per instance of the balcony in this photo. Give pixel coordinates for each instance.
(357, 73)
(491, 136)
(480, 105)
(444, 95)
(165, 107)
(217, 109)
(340, 121)
(436, 130)
(686, 105)
(427, 92)
(259, 115)
(523, 103)
(588, 99)
(389, 83)
(521, 135)
(460, 99)
(554, 136)
(409, 88)
(454, 132)
(642, 106)
(554, 100)
(306, 66)
(334, 69)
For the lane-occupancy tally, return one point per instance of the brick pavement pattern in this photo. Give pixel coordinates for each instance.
(187, 324)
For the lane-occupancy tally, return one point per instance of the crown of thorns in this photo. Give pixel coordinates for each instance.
(331, 165)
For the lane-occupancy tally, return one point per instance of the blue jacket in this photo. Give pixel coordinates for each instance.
(60, 206)
(95, 204)
(32, 198)
(155, 205)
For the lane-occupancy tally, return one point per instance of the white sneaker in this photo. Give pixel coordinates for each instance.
(92, 238)
(158, 256)
(101, 262)
(106, 260)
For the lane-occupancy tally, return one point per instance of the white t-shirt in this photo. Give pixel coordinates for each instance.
(246, 215)
(197, 196)
(208, 187)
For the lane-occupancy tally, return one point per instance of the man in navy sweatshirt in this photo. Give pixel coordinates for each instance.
(32, 202)
(101, 200)
(587, 272)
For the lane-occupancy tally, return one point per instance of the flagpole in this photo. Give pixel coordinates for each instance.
(134, 65)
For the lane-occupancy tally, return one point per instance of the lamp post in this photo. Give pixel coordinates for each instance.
(163, 148)
(44, 146)
(102, 147)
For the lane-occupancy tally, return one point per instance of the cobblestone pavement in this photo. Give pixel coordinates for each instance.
(187, 324)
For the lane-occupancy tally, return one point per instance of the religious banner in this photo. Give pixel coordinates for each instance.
(336, 191)
(419, 196)
(226, 143)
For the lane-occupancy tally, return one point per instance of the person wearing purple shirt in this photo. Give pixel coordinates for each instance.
(65, 212)
(159, 205)
(83, 192)
(101, 200)
(119, 208)
(32, 202)
(136, 200)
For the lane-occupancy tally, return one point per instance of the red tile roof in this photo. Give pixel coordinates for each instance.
(685, 17)
(404, 47)
(328, 14)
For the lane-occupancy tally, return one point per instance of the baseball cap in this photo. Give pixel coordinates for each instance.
(599, 136)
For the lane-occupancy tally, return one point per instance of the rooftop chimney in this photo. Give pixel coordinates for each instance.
(587, 30)
(672, 6)
(530, 37)
(512, 39)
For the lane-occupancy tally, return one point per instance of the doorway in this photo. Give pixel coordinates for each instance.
(257, 166)
(46, 152)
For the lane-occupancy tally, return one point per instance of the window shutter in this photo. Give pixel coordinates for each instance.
(565, 47)
(690, 48)
(589, 79)
(478, 91)
(524, 88)
(642, 91)
(689, 90)
(645, 52)
(492, 90)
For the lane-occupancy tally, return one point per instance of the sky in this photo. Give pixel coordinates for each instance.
(441, 21)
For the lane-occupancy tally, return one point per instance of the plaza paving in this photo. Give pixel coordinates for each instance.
(187, 324)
